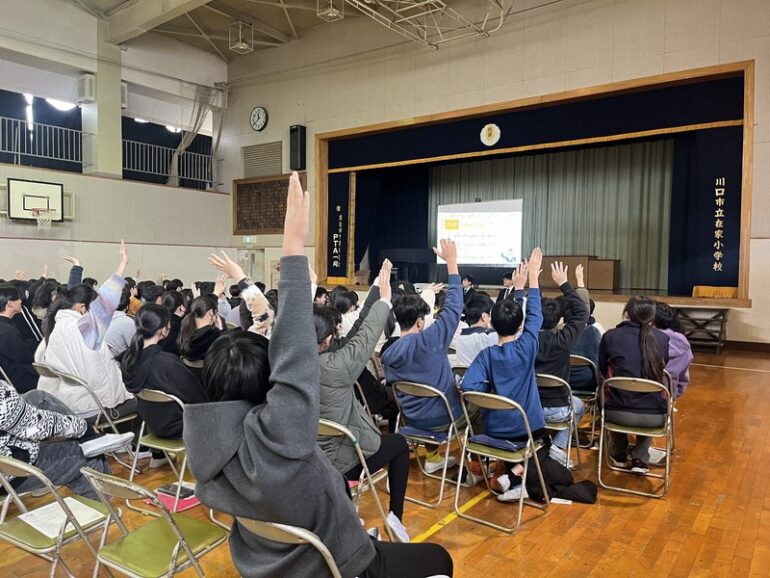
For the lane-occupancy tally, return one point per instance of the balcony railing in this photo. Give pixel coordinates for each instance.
(20, 142)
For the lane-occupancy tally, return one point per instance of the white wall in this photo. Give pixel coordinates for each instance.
(168, 230)
(353, 73)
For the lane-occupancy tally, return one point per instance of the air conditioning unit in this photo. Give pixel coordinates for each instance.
(123, 95)
(86, 88)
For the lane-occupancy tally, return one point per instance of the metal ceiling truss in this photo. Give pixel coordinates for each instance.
(430, 22)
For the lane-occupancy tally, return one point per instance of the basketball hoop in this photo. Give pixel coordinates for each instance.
(44, 218)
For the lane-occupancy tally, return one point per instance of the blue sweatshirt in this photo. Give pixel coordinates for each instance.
(422, 358)
(509, 370)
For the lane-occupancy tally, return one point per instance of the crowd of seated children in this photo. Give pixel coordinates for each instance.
(420, 355)
(341, 365)
(146, 365)
(507, 368)
(634, 349)
(74, 331)
(679, 350)
(253, 447)
(554, 344)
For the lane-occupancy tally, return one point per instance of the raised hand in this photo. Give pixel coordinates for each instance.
(297, 223)
(313, 274)
(559, 273)
(123, 260)
(45, 271)
(435, 288)
(534, 265)
(19, 275)
(225, 264)
(448, 253)
(520, 275)
(196, 291)
(219, 285)
(75, 262)
(384, 280)
(579, 276)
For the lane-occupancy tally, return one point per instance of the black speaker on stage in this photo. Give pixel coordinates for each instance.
(297, 147)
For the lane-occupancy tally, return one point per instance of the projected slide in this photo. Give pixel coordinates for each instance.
(486, 233)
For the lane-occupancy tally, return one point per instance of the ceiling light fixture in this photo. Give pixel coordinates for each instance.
(241, 37)
(60, 105)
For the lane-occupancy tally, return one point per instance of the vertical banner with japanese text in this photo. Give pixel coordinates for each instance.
(337, 242)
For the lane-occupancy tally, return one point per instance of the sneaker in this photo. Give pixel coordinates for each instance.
(397, 528)
(374, 533)
(502, 483)
(434, 462)
(618, 461)
(156, 463)
(657, 456)
(468, 477)
(639, 467)
(513, 494)
(559, 455)
(105, 444)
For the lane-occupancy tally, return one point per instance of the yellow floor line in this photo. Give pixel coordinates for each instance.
(450, 517)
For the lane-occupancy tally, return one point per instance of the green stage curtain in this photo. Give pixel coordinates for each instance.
(611, 201)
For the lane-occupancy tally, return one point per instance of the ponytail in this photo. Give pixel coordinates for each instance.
(150, 319)
(641, 309)
(79, 294)
(198, 308)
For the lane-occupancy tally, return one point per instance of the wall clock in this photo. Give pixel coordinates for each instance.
(258, 118)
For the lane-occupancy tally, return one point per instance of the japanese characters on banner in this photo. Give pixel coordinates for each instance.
(337, 241)
(719, 223)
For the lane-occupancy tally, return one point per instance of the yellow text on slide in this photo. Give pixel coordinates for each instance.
(451, 224)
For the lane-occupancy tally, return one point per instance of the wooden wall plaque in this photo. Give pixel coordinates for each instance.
(259, 204)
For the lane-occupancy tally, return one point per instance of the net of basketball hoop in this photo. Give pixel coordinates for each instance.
(44, 218)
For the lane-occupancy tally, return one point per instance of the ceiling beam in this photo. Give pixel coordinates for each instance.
(291, 24)
(207, 39)
(135, 17)
(309, 8)
(187, 33)
(258, 26)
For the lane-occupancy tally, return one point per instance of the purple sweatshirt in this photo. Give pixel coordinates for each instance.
(679, 360)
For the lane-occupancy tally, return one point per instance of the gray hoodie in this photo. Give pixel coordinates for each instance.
(264, 463)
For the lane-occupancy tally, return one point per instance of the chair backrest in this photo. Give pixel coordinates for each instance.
(158, 396)
(545, 381)
(580, 361)
(13, 468)
(195, 364)
(286, 534)
(362, 397)
(421, 390)
(494, 402)
(230, 325)
(637, 385)
(44, 371)
(112, 486)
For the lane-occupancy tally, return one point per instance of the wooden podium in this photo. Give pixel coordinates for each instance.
(600, 274)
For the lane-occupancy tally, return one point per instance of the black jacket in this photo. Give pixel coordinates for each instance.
(620, 356)
(501, 294)
(17, 355)
(170, 344)
(157, 369)
(554, 346)
(200, 342)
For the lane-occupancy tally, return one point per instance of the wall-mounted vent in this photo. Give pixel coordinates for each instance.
(262, 160)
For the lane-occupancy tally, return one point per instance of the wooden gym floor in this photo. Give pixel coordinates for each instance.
(714, 522)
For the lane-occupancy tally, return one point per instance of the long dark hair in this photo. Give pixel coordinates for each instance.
(82, 294)
(44, 294)
(237, 367)
(172, 300)
(150, 319)
(198, 308)
(641, 309)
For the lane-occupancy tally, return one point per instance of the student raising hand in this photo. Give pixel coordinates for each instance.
(297, 223)
(227, 266)
(384, 280)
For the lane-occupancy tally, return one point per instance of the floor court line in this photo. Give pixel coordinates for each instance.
(732, 367)
(449, 518)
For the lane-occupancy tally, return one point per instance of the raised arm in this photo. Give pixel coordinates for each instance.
(443, 329)
(290, 418)
(534, 317)
(578, 317)
(580, 288)
(94, 324)
(76, 272)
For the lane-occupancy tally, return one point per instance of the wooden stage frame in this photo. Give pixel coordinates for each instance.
(746, 68)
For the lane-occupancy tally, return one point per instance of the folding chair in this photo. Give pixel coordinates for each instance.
(545, 381)
(286, 534)
(164, 546)
(231, 326)
(362, 398)
(17, 532)
(366, 481)
(193, 363)
(102, 413)
(29, 319)
(165, 445)
(502, 450)
(637, 385)
(589, 398)
(427, 438)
